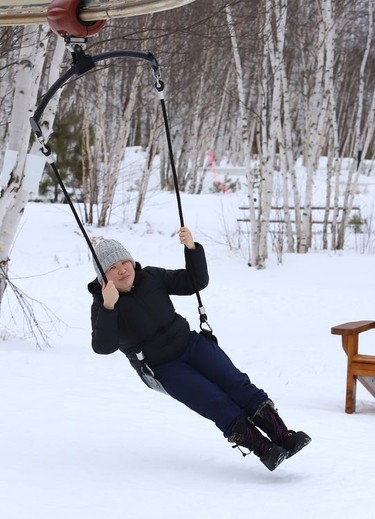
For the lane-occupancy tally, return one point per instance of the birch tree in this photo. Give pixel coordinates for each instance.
(333, 162)
(250, 177)
(155, 127)
(10, 39)
(110, 176)
(358, 132)
(271, 92)
(315, 119)
(18, 177)
(196, 142)
(287, 164)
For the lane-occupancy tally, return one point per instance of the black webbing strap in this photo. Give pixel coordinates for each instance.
(159, 85)
(47, 153)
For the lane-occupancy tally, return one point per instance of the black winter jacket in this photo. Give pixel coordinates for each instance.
(144, 319)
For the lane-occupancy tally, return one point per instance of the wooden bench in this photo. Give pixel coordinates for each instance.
(361, 367)
(277, 215)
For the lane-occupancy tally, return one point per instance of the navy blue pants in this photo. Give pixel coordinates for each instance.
(205, 379)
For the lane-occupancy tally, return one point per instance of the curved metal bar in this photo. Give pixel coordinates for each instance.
(82, 63)
(59, 83)
(147, 56)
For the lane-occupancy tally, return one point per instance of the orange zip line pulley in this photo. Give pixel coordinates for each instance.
(63, 18)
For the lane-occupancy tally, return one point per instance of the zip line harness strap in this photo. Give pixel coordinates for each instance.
(82, 63)
(159, 85)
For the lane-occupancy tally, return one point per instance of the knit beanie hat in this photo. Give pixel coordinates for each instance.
(110, 252)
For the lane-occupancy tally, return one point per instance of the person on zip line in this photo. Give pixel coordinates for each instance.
(133, 312)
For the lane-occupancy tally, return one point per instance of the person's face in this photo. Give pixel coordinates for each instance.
(122, 274)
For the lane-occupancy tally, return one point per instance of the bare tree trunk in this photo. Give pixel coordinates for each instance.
(196, 143)
(254, 247)
(150, 155)
(315, 123)
(354, 168)
(286, 138)
(89, 178)
(9, 50)
(111, 176)
(220, 115)
(273, 57)
(333, 162)
(48, 118)
(15, 184)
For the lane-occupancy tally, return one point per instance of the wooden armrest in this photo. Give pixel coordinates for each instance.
(365, 359)
(353, 328)
(359, 367)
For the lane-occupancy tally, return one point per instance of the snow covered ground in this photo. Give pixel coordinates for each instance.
(82, 438)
